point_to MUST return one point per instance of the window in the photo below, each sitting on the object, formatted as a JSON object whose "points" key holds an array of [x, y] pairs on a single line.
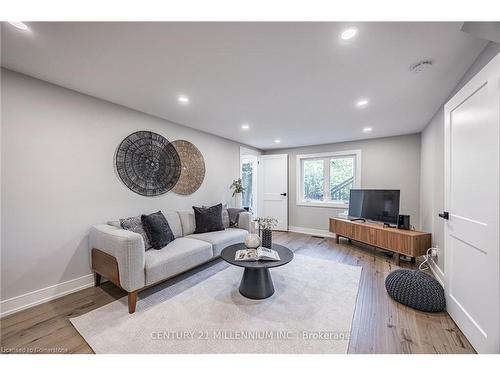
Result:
{"points": [[326, 179], [247, 182], [248, 171]]}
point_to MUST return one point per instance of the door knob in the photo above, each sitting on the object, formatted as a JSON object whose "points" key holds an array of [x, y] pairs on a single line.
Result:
{"points": [[283, 194], [445, 215]]}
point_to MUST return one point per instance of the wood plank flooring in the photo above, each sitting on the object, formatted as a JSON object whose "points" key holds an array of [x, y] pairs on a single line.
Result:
{"points": [[380, 325]]}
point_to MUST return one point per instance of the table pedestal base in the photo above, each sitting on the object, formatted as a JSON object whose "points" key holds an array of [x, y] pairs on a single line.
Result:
{"points": [[256, 283]]}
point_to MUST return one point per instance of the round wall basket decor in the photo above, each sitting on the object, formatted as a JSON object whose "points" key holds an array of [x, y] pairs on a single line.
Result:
{"points": [[147, 163], [192, 168]]}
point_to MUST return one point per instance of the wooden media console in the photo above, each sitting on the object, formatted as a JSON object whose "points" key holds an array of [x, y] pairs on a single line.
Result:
{"points": [[410, 243]]}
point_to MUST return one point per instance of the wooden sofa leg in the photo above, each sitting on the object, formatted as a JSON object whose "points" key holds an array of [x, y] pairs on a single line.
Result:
{"points": [[97, 279], [132, 300]]}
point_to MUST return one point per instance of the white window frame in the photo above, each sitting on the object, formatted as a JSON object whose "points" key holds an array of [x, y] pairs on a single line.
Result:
{"points": [[326, 156]]}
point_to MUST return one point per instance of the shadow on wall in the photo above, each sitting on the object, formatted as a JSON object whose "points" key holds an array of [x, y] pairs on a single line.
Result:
{"points": [[80, 259]]}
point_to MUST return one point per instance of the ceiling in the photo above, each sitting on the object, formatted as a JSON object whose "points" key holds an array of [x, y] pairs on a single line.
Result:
{"points": [[297, 82]]}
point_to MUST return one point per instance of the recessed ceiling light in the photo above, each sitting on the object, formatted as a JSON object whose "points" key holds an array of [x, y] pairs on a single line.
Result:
{"points": [[367, 129], [349, 33], [277, 141], [362, 103], [245, 126], [19, 25], [183, 99]]}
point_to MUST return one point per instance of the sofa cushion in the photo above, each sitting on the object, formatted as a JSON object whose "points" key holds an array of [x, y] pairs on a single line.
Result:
{"points": [[222, 238], [157, 229], [178, 256], [174, 222], [116, 223], [134, 224], [187, 221]]}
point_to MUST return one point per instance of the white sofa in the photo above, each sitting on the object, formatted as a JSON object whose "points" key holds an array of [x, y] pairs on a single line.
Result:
{"points": [[119, 254]]}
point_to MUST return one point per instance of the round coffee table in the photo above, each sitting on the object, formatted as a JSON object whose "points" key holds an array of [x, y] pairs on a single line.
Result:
{"points": [[256, 282]]}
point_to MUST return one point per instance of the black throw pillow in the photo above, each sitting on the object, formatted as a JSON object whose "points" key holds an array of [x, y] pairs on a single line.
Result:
{"points": [[157, 229], [208, 219]]}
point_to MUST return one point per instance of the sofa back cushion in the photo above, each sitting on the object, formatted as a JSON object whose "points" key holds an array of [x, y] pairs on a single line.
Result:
{"points": [[187, 221], [174, 222]]}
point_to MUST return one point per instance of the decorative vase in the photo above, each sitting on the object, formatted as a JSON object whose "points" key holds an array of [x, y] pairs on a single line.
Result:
{"points": [[267, 238], [252, 241], [238, 200]]}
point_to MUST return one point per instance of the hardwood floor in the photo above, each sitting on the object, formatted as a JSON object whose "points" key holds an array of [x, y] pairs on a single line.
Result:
{"points": [[380, 324]]}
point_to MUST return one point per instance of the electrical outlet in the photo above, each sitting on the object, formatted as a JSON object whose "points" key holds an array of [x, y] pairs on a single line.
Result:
{"points": [[435, 252]]}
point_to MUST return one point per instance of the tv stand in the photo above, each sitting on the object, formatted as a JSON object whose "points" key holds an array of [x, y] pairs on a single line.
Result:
{"points": [[410, 243], [358, 219]]}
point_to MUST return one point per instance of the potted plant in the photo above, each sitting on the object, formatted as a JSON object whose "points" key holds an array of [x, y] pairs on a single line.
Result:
{"points": [[238, 189], [266, 225]]}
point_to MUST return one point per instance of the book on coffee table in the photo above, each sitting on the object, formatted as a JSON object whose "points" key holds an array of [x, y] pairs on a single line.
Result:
{"points": [[261, 253]]}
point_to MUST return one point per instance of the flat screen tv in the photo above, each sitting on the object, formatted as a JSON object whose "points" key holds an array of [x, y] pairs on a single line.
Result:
{"points": [[376, 205]]}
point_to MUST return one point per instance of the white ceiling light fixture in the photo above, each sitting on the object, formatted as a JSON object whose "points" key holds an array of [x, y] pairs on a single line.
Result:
{"points": [[367, 129], [245, 126], [361, 103], [277, 141], [19, 25], [183, 99], [349, 33]]}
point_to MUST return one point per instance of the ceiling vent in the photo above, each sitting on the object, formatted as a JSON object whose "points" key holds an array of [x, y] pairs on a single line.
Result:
{"points": [[421, 66]]}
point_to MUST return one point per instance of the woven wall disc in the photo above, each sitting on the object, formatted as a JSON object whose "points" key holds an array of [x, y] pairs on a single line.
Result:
{"points": [[147, 163], [192, 170]]}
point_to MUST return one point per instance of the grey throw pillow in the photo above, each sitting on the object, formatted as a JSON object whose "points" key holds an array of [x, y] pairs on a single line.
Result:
{"points": [[234, 215], [225, 216], [134, 224]]}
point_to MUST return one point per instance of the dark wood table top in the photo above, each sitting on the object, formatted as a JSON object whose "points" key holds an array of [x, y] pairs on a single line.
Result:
{"points": [[228, 254]]}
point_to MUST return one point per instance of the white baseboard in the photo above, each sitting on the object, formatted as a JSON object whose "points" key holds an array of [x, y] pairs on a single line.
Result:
{"points": [[311, 231], [36, 297], [436, 271]]}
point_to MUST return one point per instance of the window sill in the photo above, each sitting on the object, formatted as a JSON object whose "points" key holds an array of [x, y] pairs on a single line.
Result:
{"points": [[324, 204]]}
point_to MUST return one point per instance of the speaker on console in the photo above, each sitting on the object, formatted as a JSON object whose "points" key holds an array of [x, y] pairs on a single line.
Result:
{"points": [[404, 222]]}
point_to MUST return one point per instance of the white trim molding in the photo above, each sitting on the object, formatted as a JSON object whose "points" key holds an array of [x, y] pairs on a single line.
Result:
{"points": [[311, 231], [325, 156], [37, 297], [436, 271]]}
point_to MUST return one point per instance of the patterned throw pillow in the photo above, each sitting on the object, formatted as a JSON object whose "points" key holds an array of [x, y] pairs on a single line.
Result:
{"points": [[224, 214], [234, 216], [158, 230], [208, 219], [134, 224]]}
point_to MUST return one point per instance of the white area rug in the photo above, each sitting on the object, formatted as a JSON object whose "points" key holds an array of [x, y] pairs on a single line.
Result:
{"points": [[311, 311]]}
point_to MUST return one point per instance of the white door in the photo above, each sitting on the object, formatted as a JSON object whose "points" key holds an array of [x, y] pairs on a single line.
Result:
{"points": [[273, 188], [472, 279]]}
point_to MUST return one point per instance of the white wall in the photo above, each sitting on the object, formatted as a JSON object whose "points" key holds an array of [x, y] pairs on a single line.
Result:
{"points": [[387, 163], [58, 178], [432, 163]]}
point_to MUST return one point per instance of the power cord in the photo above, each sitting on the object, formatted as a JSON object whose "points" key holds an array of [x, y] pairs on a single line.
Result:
{"points": [[425, 264]]}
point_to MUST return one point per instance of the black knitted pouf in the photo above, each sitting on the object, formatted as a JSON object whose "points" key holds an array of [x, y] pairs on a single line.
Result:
{"points": [[416, 289]]}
